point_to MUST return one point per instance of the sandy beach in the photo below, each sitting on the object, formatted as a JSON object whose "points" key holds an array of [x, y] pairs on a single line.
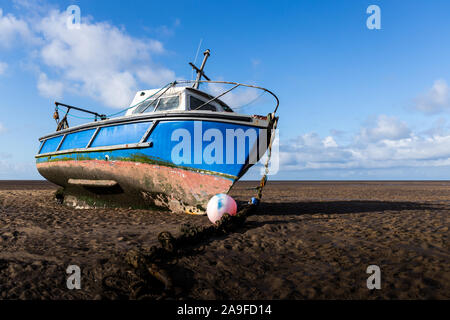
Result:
{"points": [[308, 240]]}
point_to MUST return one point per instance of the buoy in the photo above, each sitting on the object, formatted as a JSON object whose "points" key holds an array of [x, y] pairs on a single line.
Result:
{"points": [[219, 205]]}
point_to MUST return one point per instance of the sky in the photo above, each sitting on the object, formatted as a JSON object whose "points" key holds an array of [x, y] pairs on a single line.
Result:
{"points": [[355, 103]]}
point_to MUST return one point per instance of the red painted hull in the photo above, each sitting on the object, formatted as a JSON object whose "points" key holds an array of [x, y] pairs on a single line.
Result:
{"points": [[176, 188]]}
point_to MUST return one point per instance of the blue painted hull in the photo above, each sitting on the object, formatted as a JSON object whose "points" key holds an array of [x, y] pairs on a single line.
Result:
{"points": [[158, 150]]}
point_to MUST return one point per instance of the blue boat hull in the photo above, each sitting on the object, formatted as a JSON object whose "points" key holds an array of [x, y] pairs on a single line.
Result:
{"points": [[179, 163]]}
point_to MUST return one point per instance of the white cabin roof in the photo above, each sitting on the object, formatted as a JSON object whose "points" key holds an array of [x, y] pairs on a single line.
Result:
{"points": [[145, 94], [172, 92]]}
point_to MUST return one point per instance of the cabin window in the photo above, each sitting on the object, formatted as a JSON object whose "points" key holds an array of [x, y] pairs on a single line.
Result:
{"points": [[161, 104], [196, 103], [169, 103], [146, 106]]}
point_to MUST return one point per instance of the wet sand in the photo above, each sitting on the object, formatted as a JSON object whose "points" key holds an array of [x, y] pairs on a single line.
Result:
{"points": [[308, 240]]}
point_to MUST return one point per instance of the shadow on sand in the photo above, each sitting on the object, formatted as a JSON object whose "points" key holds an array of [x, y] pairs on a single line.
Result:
{"points": [[339, 207], [326, 208], [185, 277]]}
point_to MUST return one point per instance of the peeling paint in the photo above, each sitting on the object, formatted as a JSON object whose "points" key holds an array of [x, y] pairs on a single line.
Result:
{"points": [[141, 184]]}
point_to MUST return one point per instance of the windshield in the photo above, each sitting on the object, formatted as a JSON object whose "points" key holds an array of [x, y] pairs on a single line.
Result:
{"points": [[143, 106], [161, 104], [197, 104], [169, 103]]}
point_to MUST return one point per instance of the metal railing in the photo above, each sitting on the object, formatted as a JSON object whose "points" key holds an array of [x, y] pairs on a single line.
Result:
{"points": [[236, 85], [64, 123]]}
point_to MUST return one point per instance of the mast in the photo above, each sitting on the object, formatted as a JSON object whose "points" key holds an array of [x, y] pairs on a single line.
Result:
{"points": [[200, 72]]}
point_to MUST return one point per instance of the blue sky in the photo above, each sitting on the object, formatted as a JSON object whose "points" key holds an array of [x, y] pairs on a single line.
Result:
{"points": [[355, 103]]}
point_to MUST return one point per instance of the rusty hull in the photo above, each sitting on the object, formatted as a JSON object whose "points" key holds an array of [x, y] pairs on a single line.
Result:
{"points": [[141, 185]]}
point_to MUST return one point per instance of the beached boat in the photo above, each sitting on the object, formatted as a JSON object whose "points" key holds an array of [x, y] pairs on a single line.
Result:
{"points": [[176, 146]]}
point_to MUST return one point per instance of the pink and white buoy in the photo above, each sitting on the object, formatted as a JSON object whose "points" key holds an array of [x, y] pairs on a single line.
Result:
{"points": [[219, 205]]}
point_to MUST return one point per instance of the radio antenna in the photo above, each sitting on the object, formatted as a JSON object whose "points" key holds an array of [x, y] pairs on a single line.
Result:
{"points": [[196, 55]]}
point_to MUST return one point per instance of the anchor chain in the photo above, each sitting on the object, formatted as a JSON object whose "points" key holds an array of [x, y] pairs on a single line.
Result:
{"points": [[274, 122], [151, 268]]}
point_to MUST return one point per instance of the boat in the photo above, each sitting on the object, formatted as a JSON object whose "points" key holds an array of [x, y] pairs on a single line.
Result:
{"points": [[175, 147]]}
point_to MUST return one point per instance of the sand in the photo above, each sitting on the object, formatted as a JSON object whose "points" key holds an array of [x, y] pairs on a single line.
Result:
{"points": [[308, 240]]}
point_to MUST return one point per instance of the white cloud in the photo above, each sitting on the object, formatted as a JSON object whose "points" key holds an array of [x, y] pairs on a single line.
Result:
{"points": [[13, 29], [329, 142], [100, 59], [97, 60], [384, 127], [164, 30], [436, 100], [383, 147], [49, 88], [34, 5], [155, 76], [3, 66], [2, 128]]}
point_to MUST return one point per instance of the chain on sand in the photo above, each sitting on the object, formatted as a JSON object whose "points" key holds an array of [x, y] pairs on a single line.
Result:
{"points": [[150, 277]]}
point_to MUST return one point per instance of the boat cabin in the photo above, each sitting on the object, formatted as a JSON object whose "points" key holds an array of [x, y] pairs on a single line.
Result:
{"points": [[175, 99]]}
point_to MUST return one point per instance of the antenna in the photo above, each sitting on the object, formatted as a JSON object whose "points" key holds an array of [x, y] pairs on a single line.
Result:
{"points": [[196, 55], [200, 72]]}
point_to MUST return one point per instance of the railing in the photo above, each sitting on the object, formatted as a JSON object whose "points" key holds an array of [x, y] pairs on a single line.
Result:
{"points": [[64, 124], [236, 85]]}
